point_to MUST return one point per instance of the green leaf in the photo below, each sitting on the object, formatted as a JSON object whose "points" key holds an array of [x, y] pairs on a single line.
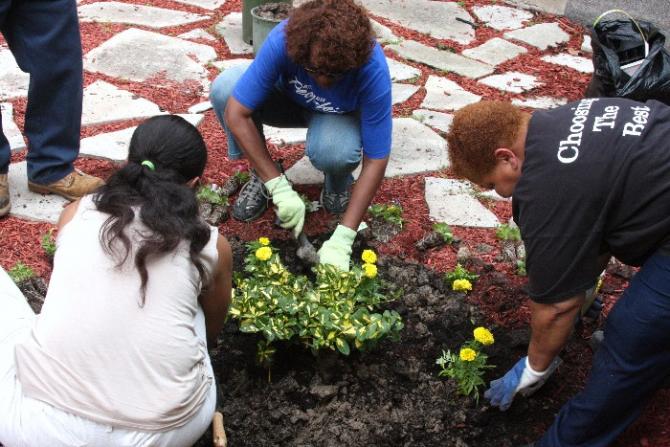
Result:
{"points": [[342, 346]]}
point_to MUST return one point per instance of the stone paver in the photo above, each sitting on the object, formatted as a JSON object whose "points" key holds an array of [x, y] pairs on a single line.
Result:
{"points": [[568, 60], [231, 31], [542, 36], [502, 17], [402, 92], [384, 33], [402, 72], [540, 102], [162, 57], [114, 145], [435, 18], [13, 81], [444, 60], [197, 33], [495, 51], [200, 107], [283, 136], [206, 4], [512, 81], [449, 202], [416, 148], [586, 44], [445, 94], [10, 129], [438, 120], [28, 205], [105, 103], [116, 12]]}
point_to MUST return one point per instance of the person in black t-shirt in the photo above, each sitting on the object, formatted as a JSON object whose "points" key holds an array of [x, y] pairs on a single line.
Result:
{"points": [[589, 180]]}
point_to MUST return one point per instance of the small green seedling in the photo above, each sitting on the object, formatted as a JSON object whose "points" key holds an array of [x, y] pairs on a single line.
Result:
{"points": [[508, 232], [311, 206], [242, 177], [208, 194], [459, 272], [20, 272], [390, 213], [444, 230], [48, 243], [521, 268]]}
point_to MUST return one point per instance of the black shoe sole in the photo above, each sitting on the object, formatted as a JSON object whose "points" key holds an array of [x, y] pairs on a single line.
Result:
{"points": [[256, 216]]}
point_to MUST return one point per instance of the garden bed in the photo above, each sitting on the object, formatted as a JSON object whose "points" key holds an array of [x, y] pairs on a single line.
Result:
{"points": [[391, 395]]}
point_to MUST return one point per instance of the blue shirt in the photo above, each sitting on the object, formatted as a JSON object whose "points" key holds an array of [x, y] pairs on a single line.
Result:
{"points": [[366, 90]]}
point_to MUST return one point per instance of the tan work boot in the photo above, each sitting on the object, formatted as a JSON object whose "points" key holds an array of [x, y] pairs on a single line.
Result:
{"points": [[73, 186], [4, 195]]}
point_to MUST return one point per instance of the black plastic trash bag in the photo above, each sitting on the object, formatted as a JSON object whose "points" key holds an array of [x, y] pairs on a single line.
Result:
{"points": [[624, 66]]}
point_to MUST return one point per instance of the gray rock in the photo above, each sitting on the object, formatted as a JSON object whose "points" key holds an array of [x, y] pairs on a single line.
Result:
{"points": [[542, 36], [152, 17], [402, 72], [197, 33], [105, 103], [512, 81], [10, 129], [402, 92], [447, 205], [495, 51], [162, 56], [28, 205], [206, 4], [502, 17], [540, 102], [383, 33], [13, 81], [581, 64], [443, 60], [231, 31], [438, 120], [445, 94]]}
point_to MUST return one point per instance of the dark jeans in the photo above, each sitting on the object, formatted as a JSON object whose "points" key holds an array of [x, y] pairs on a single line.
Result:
{"points": [[632, 363], [43, 36]]}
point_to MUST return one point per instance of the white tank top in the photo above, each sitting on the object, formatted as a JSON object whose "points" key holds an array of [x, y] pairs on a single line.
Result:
{"points": [[96, 353]]}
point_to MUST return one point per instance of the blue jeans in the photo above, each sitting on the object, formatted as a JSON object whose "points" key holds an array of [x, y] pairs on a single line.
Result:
{"points": [[43, 36], [632, 362], [333, 141]]}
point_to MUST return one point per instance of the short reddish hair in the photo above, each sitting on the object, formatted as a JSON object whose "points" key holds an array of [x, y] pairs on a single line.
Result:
{"points": [[339, 31], [476, 132]]}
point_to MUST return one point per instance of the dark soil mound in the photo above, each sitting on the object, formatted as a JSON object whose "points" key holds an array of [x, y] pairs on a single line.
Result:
{"points": [[392, 395]]}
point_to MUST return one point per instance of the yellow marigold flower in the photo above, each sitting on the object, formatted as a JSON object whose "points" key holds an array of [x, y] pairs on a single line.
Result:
{"points": [[369, 256], [264, 253], [483, 336], [369, 270], [461, 285], [264, 241], [467, 354]]}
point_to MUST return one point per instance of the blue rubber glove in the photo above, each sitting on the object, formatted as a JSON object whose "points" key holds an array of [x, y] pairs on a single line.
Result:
{"points": [[337, 250], [521, 378], [290, 207]]}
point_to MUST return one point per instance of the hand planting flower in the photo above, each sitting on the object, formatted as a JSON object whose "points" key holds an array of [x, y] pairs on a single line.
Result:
{"points": [[461, 285], [483, 336], [467, 354], [264, 241], [369, 256], [370, 270], [263, 253]]}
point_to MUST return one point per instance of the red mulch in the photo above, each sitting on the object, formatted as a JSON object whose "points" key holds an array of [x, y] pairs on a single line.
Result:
{"points": [[21, 239]]}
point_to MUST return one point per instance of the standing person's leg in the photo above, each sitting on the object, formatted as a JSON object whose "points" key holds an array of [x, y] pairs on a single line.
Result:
{"points": [[334, 147], [4, 143], [629, 366], [44, 37]]}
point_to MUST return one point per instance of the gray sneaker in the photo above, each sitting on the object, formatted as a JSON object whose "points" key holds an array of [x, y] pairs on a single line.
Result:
{"points": [[335, 202], [4, 195], [252, 201]]}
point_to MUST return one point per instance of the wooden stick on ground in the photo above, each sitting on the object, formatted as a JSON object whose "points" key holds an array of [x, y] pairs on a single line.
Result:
{"points": [[218, 432]]}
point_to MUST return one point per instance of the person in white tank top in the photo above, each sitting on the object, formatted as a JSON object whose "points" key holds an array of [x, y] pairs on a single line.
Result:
{"points": [[140, 286]]}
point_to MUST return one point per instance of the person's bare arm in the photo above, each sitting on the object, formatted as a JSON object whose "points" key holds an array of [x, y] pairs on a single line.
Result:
{"points": [[67, 214], [216, 299], [365, 189], [240, 122], [551, 325]]}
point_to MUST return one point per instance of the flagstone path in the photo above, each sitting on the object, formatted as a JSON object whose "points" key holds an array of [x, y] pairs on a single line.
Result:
{"points": [[446, 76]]}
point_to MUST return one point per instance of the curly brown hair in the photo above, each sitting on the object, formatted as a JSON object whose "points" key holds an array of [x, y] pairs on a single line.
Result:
{"points": [[333, 35], [476, 132]]}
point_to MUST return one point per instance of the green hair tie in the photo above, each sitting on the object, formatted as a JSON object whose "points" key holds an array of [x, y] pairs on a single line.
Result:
{"points": [[149, 165]]}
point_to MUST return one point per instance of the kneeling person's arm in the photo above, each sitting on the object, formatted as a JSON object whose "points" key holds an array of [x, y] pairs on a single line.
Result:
{"points": [[216, 298]]}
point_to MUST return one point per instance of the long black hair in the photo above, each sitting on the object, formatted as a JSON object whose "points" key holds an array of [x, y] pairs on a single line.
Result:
{"points": [[173, 153]]}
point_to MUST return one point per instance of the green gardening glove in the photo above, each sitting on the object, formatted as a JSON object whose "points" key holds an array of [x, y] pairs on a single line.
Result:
{"points": [[290, 207], [337, 250]]}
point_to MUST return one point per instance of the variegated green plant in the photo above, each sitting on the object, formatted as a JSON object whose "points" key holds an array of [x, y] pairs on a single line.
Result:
{"points": [[336, 312]]}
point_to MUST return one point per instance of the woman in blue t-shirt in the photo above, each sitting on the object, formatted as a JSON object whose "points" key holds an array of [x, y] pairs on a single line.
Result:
{"points": [[323, 70]]}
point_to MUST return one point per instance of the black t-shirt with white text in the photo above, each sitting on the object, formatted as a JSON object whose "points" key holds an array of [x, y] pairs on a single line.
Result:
{"points": [[595, 180]]}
